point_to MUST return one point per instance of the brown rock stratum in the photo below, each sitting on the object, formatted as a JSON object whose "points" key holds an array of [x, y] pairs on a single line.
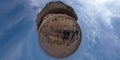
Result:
{"points": [[58, 30]]}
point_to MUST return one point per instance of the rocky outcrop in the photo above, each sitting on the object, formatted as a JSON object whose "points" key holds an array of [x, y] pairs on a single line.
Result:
{"points": [[55, 8], [58, 30]]}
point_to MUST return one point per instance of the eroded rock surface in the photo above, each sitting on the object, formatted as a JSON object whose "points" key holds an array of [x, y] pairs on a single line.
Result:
{"points": [[59, 32]]}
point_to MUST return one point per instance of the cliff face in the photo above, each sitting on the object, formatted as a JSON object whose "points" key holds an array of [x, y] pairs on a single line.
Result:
{"points": [[58, 30], [55, 8]]}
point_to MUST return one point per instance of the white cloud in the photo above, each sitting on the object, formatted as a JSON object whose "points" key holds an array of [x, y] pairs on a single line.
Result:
{"points": [[37, 3]]}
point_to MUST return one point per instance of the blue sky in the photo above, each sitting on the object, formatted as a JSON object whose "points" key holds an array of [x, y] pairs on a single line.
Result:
{"points": [[99, 21]]}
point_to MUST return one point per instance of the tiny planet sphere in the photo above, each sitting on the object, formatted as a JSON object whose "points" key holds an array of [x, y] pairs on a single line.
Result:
{"points": [[58, 31]]}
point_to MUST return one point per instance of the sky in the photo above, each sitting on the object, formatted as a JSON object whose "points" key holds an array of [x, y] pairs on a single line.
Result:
{"points": [[99, 21]]}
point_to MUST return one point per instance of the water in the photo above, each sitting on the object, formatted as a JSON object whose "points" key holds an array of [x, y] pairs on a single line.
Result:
{"points": [[99, 21]]}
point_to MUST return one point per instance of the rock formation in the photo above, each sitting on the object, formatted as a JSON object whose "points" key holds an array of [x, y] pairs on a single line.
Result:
{"points": [[58, 30]]}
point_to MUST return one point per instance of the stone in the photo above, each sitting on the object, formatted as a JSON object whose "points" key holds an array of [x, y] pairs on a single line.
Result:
{"points": [[58, 31]]}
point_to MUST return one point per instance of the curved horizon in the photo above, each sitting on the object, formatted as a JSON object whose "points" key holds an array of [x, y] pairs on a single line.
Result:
{"points": [[99, 21]]}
